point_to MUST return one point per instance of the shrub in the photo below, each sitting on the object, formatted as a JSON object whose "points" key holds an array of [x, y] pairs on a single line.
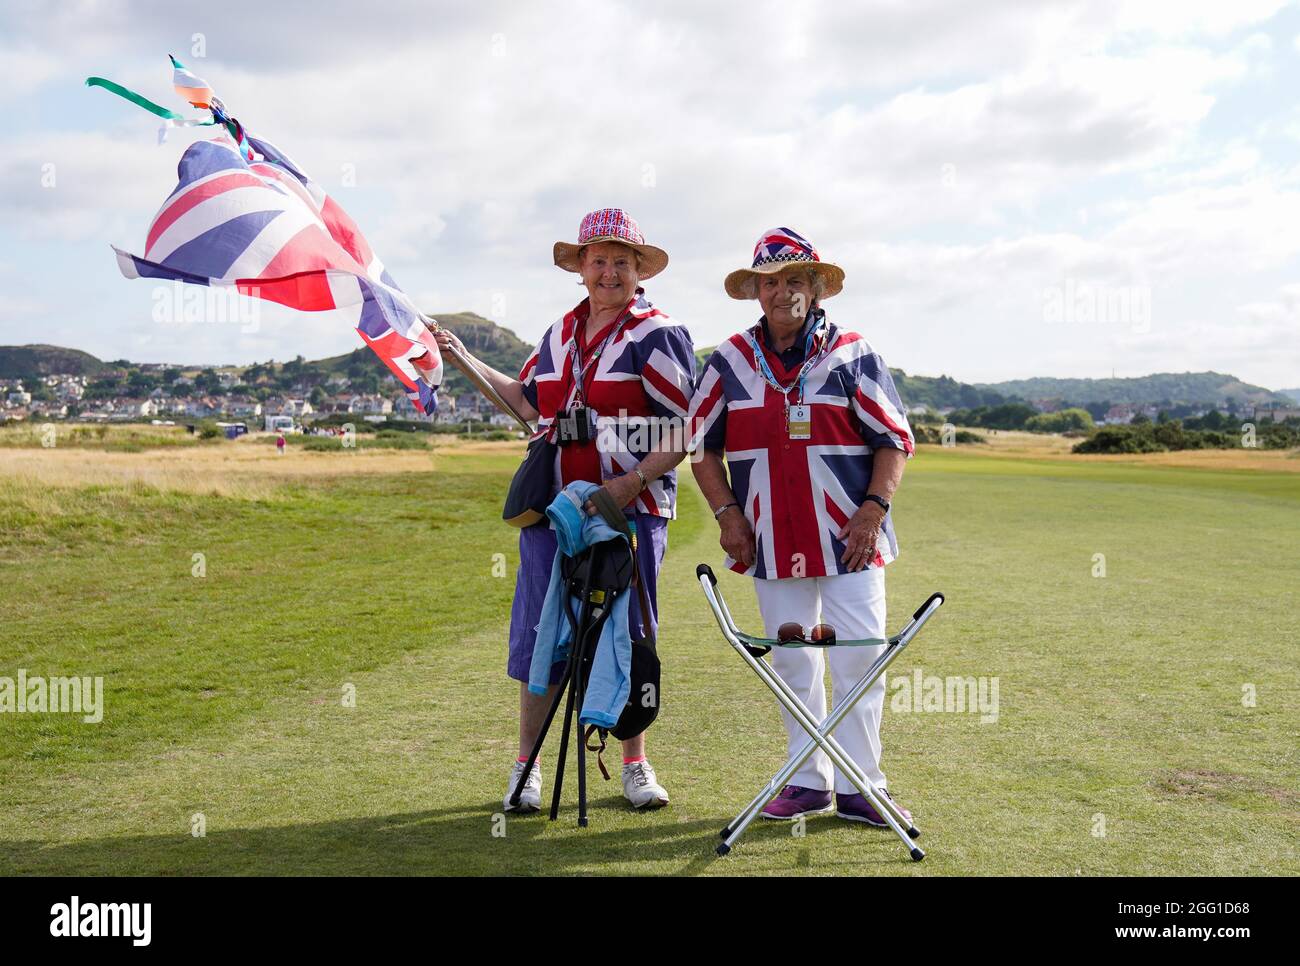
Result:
{"points": [[1120, 439], [1060, 422]]}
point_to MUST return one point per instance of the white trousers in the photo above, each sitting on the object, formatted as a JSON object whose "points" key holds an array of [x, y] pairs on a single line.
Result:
{"points": [[854, 604]]}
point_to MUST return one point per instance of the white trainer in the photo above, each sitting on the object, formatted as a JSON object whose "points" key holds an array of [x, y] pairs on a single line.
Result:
{"points": [[530, 800], [641, 787]]}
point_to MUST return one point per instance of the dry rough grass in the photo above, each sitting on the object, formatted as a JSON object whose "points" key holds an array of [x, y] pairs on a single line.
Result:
{"points": [[239, 469], [1014, 444]]}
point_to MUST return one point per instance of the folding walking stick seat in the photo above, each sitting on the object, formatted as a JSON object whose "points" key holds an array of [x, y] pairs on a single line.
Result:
{"points": [[752, 650]]}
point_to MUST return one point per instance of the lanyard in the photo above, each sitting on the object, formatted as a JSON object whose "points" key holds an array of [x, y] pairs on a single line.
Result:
{"points": [[765, 370], [580, 373]]}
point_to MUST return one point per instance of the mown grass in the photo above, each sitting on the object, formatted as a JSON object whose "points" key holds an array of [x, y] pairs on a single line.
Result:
{"points": [[1121, 697]]}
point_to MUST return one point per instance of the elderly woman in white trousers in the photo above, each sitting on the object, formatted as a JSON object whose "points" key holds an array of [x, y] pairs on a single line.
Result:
{"points": [[814, 438]]}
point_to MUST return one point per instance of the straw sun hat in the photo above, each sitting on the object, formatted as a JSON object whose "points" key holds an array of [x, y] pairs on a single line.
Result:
{"points": [[612, 225], [777, 250]]}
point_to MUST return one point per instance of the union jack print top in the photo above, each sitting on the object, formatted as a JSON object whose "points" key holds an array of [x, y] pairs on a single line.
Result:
{"points": [[640, 389], [797, 493]]}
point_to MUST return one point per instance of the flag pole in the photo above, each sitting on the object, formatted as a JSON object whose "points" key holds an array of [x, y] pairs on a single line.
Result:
{"points": [[471, 371]]}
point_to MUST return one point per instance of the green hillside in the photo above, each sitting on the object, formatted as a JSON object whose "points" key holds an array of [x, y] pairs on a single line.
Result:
{"points": [[28, 361], [940, 392], [497, 346], [1194, 388]]}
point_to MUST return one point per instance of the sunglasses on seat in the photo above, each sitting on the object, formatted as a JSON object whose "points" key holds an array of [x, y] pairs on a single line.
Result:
{"points": [[818, 634]]}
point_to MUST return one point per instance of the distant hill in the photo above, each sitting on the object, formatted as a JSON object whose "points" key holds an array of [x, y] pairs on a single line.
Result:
{"points": [[506, 352], [497, 346], [941, 392], [1191, 388], [935, 392], [27, 361]]}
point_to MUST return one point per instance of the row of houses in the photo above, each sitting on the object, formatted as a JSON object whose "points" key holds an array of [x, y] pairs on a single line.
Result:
{"points": [[1124, 414], [161, 404], [66, 388]]}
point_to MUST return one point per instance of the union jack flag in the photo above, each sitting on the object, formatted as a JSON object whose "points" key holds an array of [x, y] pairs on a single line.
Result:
{"points": [[640, 389], [244, 215], [798, 493]]}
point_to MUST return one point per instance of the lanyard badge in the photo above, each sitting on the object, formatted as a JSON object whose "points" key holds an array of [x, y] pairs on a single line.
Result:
{"points": [[798, 418], [798, 421]]}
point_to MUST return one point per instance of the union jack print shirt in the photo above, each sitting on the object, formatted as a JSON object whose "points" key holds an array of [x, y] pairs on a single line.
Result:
{"points": [[797, 493], [640, 388]]}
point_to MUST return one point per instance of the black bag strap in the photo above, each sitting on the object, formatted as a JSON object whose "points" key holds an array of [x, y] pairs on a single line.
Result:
{"points": [[603, 735], [612, 515]]}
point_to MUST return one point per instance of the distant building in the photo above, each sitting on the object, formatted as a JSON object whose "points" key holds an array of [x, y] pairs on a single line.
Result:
{"points": [[281, 405], [1124, 413], [1277, 414], [403, 408], [372, 405], [124, 407], [468, 405], [70, 388], [340, 404], [243, 407], [202, 407]]}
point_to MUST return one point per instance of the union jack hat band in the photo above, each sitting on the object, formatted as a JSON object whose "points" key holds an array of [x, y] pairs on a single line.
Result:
{"points": [[611, 225], [777, 250]]}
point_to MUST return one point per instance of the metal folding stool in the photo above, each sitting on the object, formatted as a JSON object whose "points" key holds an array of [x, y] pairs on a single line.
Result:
{"points": [[752, 649]]}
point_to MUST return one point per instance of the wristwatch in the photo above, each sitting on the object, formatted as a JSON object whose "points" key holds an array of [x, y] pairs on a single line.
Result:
{"points": [[878, 500]]}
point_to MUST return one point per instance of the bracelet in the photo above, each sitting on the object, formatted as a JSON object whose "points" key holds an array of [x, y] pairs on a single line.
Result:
{"points": [[723, 509], [641, 476], [880, 501]]}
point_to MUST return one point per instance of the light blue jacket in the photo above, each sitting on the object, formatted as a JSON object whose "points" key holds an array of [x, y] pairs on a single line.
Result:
{"points": [[611, 668]]}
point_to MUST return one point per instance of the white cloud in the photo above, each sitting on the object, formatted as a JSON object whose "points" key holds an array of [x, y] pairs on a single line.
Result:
{"points": [[929, 147]]}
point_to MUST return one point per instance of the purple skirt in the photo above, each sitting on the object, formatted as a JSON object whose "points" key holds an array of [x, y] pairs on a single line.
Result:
{"points": [[537, 550]]}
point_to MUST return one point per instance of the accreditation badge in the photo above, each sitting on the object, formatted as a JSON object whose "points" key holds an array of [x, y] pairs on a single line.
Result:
{"points": [[801, 422]]}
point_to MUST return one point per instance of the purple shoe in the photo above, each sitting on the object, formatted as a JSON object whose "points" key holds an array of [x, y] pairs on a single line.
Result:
{"points": [[795, 801], [856, 808]]}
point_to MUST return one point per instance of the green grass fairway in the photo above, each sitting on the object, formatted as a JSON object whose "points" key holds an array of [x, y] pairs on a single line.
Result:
{"points": [[1120, 697]]}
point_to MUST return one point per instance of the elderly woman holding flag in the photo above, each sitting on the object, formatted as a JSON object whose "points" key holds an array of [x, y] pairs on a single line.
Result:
{"points": [[612, 362], [815, 438]]}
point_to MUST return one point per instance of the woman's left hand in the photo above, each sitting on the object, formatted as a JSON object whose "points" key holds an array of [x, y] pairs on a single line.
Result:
{"points": [[860, 535], [624, 489]]}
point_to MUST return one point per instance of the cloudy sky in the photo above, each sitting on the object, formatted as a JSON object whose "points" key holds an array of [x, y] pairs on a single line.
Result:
{"points": [[1012, 188]]}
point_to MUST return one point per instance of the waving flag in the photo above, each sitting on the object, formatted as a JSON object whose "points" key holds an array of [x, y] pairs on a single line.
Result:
{"points": [[245, 215]]}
